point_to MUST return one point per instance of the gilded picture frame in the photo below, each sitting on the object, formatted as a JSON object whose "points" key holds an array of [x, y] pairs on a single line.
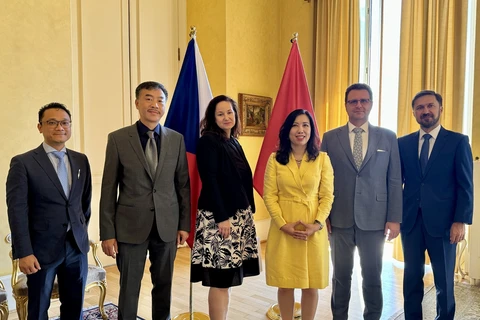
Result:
{"points": [[255, 113]]}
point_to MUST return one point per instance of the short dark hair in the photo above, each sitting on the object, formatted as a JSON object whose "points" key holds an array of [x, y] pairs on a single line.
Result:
{"points": [[208, 123], [150, 85], [359, 86], [52, 105], [285, 147], [428, 93]]}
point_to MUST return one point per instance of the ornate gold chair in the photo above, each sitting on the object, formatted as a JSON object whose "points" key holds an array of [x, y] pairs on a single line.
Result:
{"points": [[97, 277], [3, 302]]}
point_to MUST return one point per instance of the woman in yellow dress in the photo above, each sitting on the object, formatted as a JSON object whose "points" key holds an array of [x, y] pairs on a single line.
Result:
{"points": [[298, 194]]}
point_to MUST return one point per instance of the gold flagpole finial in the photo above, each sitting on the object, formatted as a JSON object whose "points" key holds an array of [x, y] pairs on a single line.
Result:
{"points": [[294, 37], [193, 32]]}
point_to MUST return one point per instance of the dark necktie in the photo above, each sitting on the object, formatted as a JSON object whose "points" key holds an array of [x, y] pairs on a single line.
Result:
{"points": [[424, 152], [62, 171], [151, 153]]}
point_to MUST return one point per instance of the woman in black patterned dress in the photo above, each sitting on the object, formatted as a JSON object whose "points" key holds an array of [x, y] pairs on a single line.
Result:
{"points": [[225, 248]]}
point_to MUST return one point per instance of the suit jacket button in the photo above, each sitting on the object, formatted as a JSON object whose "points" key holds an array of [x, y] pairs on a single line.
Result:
{"points": [[154, 190], [152, 209]]}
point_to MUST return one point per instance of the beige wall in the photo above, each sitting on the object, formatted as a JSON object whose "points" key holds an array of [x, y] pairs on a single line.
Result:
{"points": [[35, 68], [71, 52]]}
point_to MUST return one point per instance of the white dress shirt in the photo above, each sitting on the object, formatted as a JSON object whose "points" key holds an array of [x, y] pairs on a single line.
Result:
{"points": [[351, 137]]}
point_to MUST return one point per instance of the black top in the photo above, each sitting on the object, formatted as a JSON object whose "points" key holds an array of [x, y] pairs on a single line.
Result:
{"points": [[142, 133], [227, 184]]}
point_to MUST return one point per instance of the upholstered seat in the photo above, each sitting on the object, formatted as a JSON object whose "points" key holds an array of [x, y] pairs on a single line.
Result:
{"points": [[97, 277], [96, 274], [3, 302]]}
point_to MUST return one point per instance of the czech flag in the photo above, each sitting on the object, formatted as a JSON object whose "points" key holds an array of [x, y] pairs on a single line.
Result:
{"points": [[190, 99]]}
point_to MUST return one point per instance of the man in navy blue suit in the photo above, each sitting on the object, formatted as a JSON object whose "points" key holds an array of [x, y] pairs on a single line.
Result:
{"points": [[437, 171], [48, 196]]}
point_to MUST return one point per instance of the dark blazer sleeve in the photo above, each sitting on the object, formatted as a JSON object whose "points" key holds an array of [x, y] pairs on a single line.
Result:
{"points": [[87, 193], [464, 177], [247, 188], [208, 154], [394, 183], [108, 198], [182, 187], [17, 202]]}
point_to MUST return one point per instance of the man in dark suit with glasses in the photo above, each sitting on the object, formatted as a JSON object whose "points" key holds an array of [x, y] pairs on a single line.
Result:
{"points": [[48, 197]]}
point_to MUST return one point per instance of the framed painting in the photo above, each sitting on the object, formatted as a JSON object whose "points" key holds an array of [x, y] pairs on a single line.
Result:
{"points": [[254, 114]]}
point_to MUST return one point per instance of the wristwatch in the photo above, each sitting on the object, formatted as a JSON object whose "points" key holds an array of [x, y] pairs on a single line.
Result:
{"points": [[318, 222]]}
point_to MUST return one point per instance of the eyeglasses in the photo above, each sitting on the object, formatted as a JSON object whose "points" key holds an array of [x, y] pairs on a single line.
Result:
{"points": [[355, 102], [55, 123]]}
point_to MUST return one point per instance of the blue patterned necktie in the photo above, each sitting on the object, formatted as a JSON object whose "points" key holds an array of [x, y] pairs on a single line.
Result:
{"points": [[424, 152], [357, 147], [62, 171]]}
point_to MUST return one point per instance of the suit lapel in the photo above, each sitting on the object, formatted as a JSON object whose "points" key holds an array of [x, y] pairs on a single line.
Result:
{"points": [[294, 169], [373, 139], [137, 148], [74, 169], [342, 134], [42, 159], [439, 144], [305, 168], [412, 140], [163, 150]]}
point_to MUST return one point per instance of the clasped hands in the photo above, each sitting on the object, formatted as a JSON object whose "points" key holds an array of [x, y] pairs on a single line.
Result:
{"points": [[300, 230]]}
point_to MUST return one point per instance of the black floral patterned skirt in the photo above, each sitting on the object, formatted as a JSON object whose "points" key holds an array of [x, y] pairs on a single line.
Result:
{"points": [[223, 263]]}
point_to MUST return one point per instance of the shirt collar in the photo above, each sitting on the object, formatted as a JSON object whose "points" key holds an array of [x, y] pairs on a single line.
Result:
{"points": [[433, 133], [363, 126], [143, 129], [50, 149]]}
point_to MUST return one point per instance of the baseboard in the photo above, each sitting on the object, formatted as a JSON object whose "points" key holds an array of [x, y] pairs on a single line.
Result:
{"points": [[7, 281]]}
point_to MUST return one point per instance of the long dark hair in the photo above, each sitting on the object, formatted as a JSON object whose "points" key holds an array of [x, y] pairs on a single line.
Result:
{"points": [[208, 123], [285, 147]]}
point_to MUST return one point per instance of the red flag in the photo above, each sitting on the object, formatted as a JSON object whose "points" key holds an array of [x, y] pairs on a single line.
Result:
{"points": [[293, 94]]}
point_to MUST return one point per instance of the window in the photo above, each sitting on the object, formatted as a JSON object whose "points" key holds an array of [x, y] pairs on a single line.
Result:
{"points": [[380, 58], [380, 24]]}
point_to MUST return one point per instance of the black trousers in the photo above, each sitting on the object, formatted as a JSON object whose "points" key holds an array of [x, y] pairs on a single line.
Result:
{"points": [[131, 264]]}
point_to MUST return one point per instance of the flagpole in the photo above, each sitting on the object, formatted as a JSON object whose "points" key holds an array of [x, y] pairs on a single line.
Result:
{"points": [[190, 315], [294, 37]]}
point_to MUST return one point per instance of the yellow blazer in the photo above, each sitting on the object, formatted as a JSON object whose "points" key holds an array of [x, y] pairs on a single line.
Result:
{"points": [[293, 193]]}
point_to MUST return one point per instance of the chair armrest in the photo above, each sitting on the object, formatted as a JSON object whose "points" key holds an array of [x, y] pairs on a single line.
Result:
{"points": [[94, 246], [15, 270]]}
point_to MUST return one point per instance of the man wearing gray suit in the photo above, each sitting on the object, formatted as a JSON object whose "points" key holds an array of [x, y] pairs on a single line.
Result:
{"points": [[368, 201], [145, 202]]}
